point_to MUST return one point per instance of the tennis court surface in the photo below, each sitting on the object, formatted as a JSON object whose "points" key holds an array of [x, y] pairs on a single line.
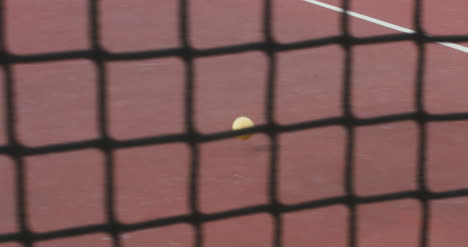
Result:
{"points": [[115, 123]]}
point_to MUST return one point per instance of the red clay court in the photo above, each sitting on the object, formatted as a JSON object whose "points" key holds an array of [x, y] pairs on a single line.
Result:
{"points": [[56, 102]]}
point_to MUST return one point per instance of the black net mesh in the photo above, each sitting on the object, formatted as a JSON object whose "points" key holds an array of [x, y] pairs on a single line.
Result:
{"points": [[270, 47]]}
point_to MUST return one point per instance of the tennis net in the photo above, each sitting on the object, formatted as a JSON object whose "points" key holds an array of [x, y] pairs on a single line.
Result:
{"points": [[107, 145]]}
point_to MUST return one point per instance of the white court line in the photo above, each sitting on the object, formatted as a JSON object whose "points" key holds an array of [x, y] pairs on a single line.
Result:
{"points": [[383, 23]]}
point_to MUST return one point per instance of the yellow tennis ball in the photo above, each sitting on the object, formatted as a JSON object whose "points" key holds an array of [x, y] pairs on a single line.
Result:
{"points": [[242, 123]]}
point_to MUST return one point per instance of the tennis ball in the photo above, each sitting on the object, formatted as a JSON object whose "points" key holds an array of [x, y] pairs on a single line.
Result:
{"points": [[242, 123]]}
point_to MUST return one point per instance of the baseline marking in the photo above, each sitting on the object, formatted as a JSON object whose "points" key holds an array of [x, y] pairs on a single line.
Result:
{"points": [[383, 23]]}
